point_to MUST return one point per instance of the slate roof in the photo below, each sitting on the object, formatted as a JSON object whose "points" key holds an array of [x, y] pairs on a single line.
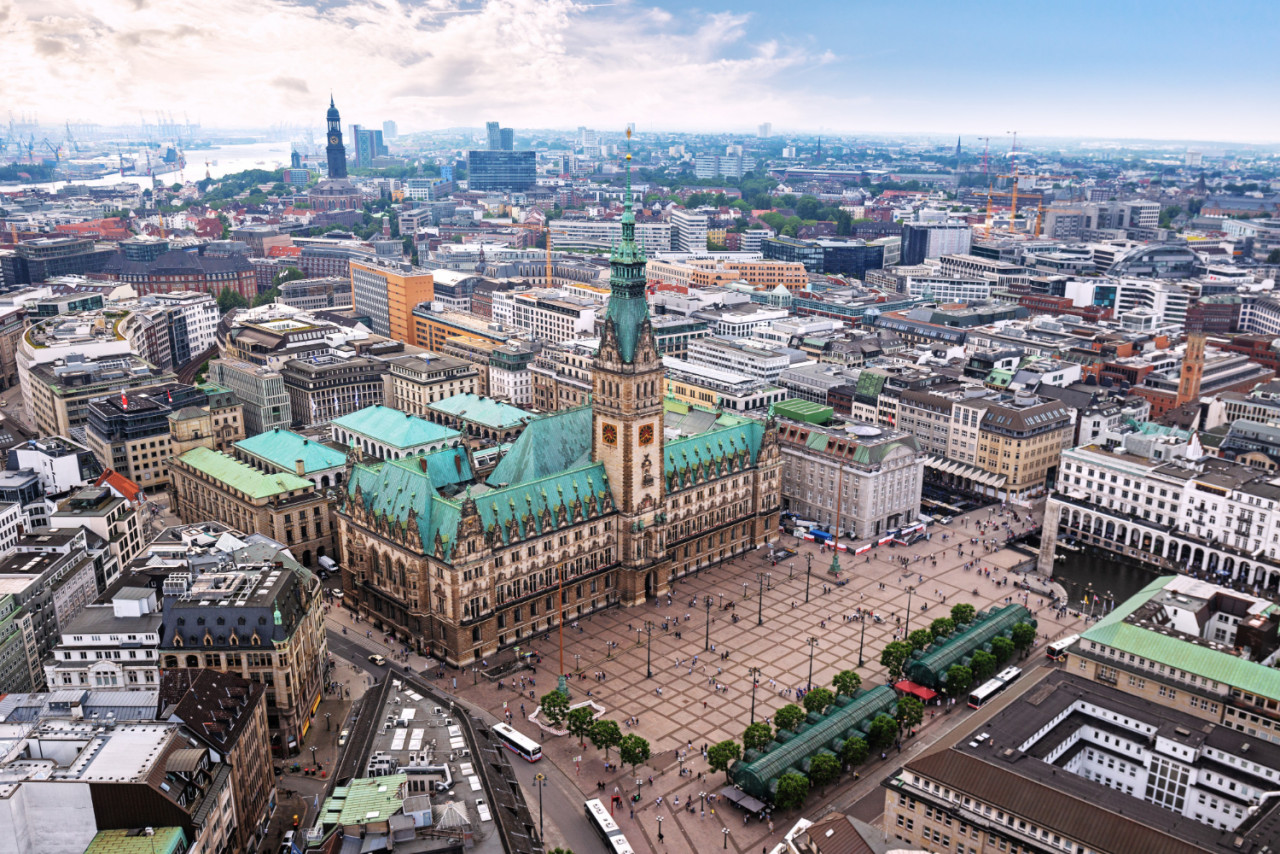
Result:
{"points": [[216, 706], [176, 262], [395, 428], [284, 447], [241, 476]]}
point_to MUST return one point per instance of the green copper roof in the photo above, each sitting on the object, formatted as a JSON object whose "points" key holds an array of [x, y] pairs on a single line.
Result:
{"points": [[803, 410], [167, 840], [627, 316], [284, 447], [395, 428], [373, 799], [870, 384], [550, 444], [241, 476], [482, 410], [1173, 652], [710, 452]]}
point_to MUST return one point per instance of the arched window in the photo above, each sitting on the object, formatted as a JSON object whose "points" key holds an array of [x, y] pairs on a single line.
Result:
{"points": [[193, 661]]}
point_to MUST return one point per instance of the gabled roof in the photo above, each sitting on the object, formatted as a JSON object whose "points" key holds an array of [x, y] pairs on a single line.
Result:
{"points": [[737, 444], [552, 443], [120, 485], [284, 447], [395, 428]]}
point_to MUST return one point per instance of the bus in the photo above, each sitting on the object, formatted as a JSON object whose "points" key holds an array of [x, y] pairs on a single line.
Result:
{"points": [[526, 747], [607, 828], [993, 687], [1057, 650]]}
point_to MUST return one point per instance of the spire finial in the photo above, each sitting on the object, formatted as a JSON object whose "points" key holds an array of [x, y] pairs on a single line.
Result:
{"points": [[330, 97], [626, 199]]}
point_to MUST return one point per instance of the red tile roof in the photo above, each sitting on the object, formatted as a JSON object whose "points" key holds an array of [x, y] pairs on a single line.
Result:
{"points": [[121, 485]]}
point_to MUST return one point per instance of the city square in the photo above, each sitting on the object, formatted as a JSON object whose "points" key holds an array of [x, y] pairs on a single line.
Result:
{"points": [[609, 657]]}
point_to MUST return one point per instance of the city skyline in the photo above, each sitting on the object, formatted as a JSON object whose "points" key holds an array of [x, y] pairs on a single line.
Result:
{"points": [[815, 67]]}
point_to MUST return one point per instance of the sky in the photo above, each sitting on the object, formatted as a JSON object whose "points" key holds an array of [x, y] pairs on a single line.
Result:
{"points": [[1129, 69]]}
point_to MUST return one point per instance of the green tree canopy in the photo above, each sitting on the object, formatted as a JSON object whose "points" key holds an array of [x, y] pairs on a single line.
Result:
{"points": [[633, 750], [882, 732], [1023, 636], [288, 274], [910, 712], [942, 626], [266, 297], [983, 665], [824, 768], [959, 678], [555, 706], [818, 700], [789, 717], [722, 754], [894, 657], [757, 736], [792, 789], [920, 638], [229, 299], [847, 683], [605, 734], [579, 722], [963, 613], [1002, 649], [854, 752]]}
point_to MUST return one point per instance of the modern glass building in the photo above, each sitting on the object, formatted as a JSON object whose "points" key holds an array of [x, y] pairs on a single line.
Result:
{"points": [[501, 170]]}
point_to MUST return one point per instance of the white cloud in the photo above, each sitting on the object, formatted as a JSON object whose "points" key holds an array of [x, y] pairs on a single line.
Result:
{"points": [[440, 63]]}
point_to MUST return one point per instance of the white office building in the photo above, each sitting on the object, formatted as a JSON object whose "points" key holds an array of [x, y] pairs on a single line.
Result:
{"points": [[689, 231]]}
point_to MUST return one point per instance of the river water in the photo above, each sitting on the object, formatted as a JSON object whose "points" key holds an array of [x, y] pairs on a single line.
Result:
{"points": [[1092, 573], [222, 160]]}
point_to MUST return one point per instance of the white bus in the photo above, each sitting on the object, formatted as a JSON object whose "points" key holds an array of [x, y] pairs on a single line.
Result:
{"points": [[1057, 650], [610, 833], [993, 687], [526, 747]]}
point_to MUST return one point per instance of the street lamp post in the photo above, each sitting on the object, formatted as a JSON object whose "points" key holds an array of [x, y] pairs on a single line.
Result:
{"points": [[659, 829], [706, 646], [744, 590], [906, 629], [577, 666], [791, 569], [725, 831], [327, 726], [475, 675], [648, 650], [721, 601], [808, 559], [313, 756], [813, 642], [755, 680], [760, 596], [541, 778], [862, 639]]}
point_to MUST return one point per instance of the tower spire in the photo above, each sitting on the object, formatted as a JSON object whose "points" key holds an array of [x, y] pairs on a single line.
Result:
{"points": [[626, 199]]}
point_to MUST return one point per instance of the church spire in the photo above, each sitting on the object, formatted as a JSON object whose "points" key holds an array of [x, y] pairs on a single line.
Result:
{"points": [[628, 308]]}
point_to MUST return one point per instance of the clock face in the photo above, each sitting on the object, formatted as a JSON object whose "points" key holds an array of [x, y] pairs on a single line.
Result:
{"points": [[609, 433], [335, 139], [646, 434]]}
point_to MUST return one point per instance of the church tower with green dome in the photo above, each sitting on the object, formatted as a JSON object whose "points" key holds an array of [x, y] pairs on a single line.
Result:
{"points": [[627, 391]]}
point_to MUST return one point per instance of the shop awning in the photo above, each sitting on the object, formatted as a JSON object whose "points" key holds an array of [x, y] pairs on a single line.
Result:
{"points": [[742, 799], [906, 686]]}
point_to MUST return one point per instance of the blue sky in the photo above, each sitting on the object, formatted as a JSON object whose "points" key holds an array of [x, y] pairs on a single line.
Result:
{"points": [[1170, 70]]}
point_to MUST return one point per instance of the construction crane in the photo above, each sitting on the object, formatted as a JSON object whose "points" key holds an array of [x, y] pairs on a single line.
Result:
{"points": [[548, 231], [1013, 167]]}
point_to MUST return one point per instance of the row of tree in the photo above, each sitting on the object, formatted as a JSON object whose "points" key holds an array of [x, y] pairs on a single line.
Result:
{"points": [[603, 734]]}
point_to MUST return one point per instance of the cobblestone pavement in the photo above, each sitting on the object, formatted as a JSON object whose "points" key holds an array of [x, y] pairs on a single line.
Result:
{"points": [[680, 705]]}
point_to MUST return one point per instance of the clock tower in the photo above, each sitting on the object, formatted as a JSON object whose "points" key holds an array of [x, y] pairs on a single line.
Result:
{"points": [[334, 150], [627, 392]]}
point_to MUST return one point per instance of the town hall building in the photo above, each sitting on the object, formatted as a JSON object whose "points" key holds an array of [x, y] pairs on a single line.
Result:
{"points": [[602, 505]]}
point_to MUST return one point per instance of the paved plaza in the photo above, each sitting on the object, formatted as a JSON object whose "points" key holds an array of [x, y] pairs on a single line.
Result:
{"points": [[681, 705]]}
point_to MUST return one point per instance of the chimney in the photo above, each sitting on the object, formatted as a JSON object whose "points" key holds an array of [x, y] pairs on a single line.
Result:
{"points": [[297, 465]]}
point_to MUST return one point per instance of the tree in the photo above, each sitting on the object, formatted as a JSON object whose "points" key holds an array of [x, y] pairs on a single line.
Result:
{"points": [[846, 683], [176, 187], [579, 722], [722, 754], [229, 299], [959, 678], [1273, 257], [757, 736], [818, 700], [554, 707], [824, 768], [983, 664], [910, 713], [894, 657], [1002, 649], [1023, 636], [266, 297], [792, 789], [288, 274], [854, 752], [963, 613], [882, 732], [789, 716], [633, 750], [920, 638], [942, 626], [605, 734]]}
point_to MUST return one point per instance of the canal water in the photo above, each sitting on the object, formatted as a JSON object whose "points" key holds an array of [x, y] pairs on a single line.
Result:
{"points": [[1093, 574]]}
